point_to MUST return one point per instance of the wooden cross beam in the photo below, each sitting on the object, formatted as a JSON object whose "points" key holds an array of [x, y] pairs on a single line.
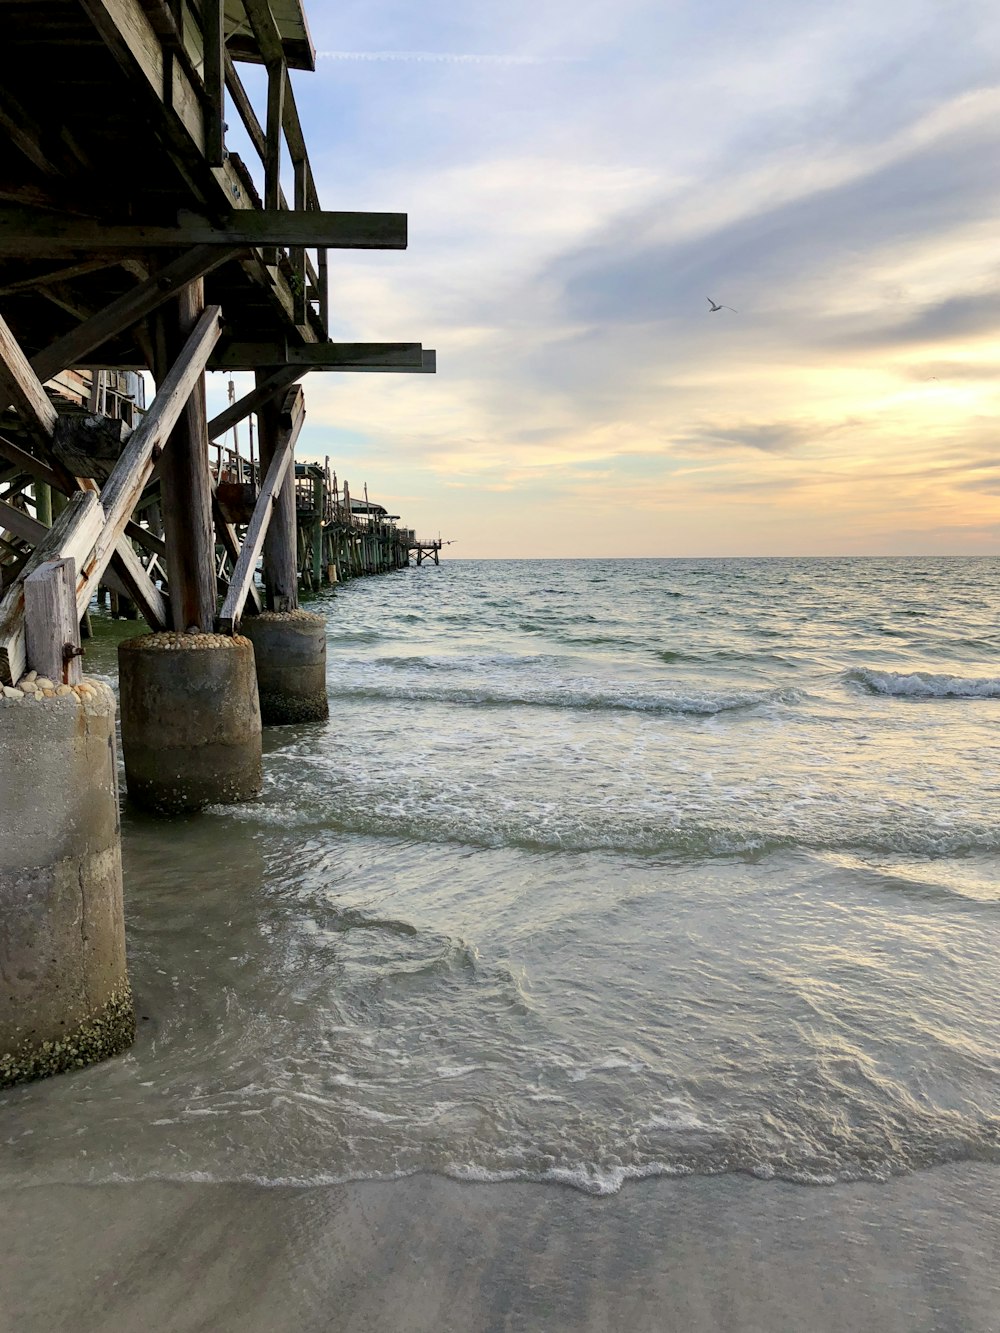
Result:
{"points": [[293, 414], [27, 234], [318, 356]]}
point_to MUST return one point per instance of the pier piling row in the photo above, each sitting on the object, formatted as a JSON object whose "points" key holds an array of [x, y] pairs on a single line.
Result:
{"points": [[133, 240]]}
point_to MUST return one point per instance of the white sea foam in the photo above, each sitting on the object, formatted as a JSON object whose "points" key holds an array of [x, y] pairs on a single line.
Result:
{"points": [[925, 684]]}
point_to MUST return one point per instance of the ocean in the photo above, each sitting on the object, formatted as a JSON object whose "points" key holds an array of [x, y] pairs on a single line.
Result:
{"points": [[600, 870]]}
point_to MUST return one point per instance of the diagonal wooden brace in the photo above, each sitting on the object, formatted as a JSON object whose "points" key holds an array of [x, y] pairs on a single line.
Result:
{"points": [[242, 580], [91, 526]]}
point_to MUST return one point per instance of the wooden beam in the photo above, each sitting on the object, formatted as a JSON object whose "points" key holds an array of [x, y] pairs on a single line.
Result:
{"points": [[129, 308], [231, 355], [64, 273], [135, 466], [139, 586], [275, 113], [214, 75], [21, 524], [71, 536], [146, 539], [268, 390], [20, 385], [26, 234], [245, 108], [265, 31], [299, 54], [228, 539], [281, 566], [186, 483], [51, 624], [239, 585], [34, 467]]}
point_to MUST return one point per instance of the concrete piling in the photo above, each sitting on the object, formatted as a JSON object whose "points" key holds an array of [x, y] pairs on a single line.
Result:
{"points": [[65, 1000], [190, 720], [290, 653]]}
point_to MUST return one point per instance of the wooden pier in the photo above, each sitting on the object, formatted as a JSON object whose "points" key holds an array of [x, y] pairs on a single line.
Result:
{"points": [[135, 240]]}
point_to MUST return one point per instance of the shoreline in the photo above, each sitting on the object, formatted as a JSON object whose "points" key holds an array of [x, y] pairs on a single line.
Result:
{"points": [[431, 1253]]}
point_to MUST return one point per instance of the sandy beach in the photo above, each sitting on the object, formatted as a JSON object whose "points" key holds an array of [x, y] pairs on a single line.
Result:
{"points": [[914, 1255]]}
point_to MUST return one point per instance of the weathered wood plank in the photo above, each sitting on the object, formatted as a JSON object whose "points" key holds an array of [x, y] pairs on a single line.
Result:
{"points": [[231, 355], [72, 536], [19, 385], [51, 622], [140, 587], [29, 235], [214, 75], [21, 524], [281, 460], [129, 308]]}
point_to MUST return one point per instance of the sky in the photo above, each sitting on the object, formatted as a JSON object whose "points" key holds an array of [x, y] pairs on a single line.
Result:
{"points": [[579, 179]]}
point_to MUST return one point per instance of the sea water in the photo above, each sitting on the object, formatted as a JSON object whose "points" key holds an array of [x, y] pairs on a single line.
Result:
{"points": [[600, 870]]}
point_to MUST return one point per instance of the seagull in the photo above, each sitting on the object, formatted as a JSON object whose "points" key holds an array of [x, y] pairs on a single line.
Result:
{"points": [[719, 307]]}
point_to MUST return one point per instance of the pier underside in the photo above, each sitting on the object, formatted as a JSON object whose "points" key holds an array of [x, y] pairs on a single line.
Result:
{"points": [[135, 241]]}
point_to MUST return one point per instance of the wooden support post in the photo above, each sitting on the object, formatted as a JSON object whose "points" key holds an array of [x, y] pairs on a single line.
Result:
{"points": [[43, 503], [214, 79], [185, 480], [281, 583], [324, 293], [272, 162], [279, 478], [298, 254], [51, 622]]}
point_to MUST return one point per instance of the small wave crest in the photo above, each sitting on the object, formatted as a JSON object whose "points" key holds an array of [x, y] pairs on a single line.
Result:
{"points": [[924, 684], [578, 695]]}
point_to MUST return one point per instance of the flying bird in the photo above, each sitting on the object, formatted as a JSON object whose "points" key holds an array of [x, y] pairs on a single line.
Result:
{"points": [[719, 307]]}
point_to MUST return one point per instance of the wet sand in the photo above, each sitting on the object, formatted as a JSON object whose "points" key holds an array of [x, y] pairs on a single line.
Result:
{"points": [[729, 1253]]}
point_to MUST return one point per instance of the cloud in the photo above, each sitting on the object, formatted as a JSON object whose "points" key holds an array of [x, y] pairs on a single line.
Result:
{"points": [[447, 58], [823, 169]]}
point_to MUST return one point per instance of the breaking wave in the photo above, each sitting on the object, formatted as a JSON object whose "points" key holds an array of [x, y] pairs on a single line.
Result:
{"points": [[925, 684]]}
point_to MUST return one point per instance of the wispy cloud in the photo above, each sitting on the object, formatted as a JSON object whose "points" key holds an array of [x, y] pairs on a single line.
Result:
{"points": [[448, 57]]}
